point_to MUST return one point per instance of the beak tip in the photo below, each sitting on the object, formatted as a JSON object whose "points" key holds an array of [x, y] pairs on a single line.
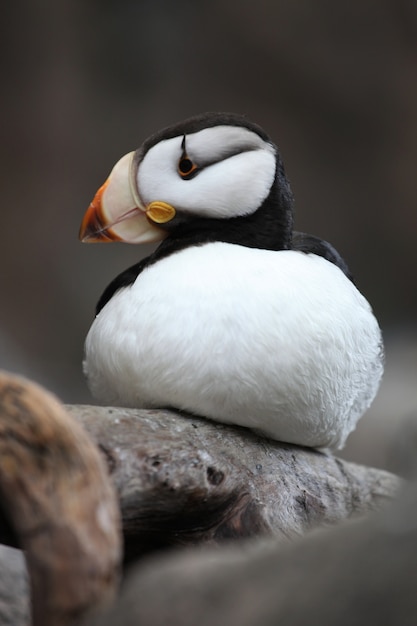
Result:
{"points": [[89, 230], [82, 235], [87, 235], [93, 228]]}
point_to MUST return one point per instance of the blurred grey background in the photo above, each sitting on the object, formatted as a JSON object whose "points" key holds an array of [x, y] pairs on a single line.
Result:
{"points": [[84, 82]]}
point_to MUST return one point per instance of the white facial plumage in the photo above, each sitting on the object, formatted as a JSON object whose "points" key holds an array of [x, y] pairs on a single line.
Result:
{"points": [[237, 169]]}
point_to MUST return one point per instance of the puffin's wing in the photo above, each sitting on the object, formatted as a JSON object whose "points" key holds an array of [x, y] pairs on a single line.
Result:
{"points": [[314, 245]]}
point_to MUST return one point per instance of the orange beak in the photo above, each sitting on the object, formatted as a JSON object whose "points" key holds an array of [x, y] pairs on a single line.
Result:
{"points": [[117, 212], [93, 227]]}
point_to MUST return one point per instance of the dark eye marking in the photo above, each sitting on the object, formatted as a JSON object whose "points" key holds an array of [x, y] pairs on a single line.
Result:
{"points": [[186, 167]]}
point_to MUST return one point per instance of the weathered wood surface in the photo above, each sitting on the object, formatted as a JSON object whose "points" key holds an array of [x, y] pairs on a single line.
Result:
{"points": [[14, 588], [180, 480], [57, 498], [186, 480], [359, 572], [183, 479]]}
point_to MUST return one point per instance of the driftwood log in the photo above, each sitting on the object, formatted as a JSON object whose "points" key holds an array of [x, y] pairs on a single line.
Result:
{"points": [[180, 480], [186, 480], [361, 572]]}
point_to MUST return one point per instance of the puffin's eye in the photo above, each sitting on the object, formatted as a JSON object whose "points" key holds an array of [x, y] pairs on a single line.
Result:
{"points": [[186, 168]]}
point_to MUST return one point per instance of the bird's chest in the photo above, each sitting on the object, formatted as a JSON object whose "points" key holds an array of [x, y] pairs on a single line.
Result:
{"points": [[223, 315], [221, 299], [208, 298]]}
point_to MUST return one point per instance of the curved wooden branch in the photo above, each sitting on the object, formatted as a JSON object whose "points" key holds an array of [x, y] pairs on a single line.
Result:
{"points": [[59, 504]]}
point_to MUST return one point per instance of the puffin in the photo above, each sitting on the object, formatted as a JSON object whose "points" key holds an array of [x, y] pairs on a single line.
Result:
{"points": [[235, 316]]}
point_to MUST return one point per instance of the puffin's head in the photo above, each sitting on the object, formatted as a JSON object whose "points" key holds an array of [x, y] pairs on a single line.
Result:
{"points": [[216, 165]]}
